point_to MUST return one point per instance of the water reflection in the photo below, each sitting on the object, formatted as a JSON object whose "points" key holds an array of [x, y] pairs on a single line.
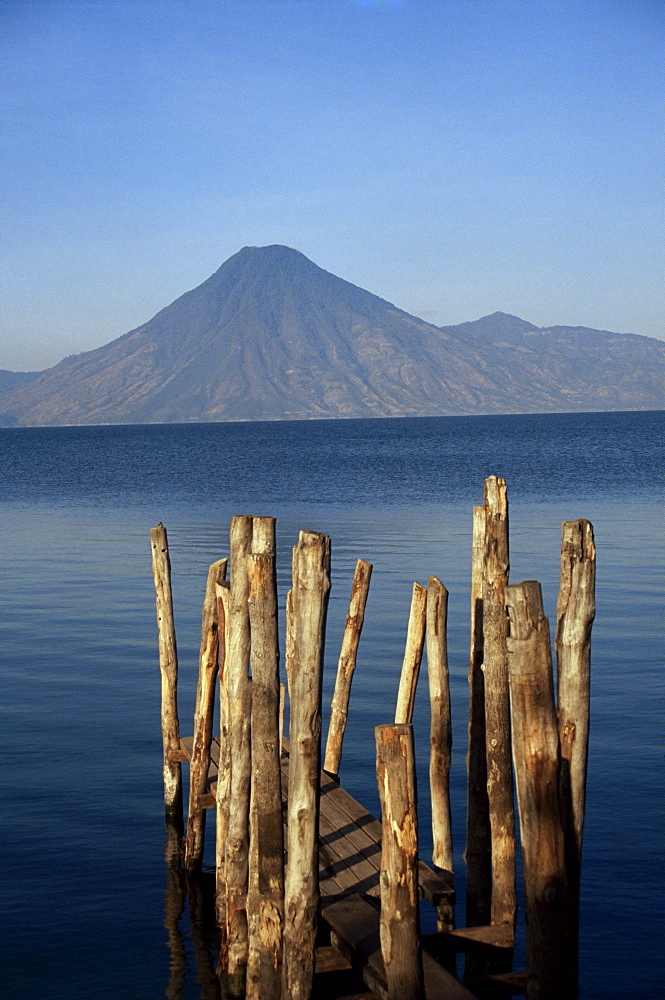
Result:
{"points": [[189, 920]]}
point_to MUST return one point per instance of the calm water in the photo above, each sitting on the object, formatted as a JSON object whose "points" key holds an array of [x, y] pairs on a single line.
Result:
{"points": [[82, 811]]}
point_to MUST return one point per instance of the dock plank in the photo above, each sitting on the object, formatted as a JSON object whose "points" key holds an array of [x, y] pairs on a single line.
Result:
{"points": [[355, 923], [350, 862]]}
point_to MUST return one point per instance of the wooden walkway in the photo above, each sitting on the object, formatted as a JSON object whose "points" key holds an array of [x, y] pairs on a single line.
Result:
{"points": [[349, 869]]}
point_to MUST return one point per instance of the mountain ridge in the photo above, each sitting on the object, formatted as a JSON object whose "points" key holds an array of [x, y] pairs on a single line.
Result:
{"points": [[272, 336]]}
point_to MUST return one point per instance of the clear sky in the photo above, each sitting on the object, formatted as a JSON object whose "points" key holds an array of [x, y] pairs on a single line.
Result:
{"points": [[456, 157]]}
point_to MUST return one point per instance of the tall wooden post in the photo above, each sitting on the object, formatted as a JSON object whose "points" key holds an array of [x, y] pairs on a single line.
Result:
{"points": [[497, 703], [311, 587], [168, 666], [289, 640], [550, 933], [399, 925], [203, 716], [265, 902], [441, 739], [239, 694], [223, 594], [346, 666], [478, 853], [575, 614], [413, 652]]}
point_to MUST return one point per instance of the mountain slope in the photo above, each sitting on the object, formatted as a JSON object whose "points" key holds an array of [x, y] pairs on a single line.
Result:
{"points": [[272, 336]]}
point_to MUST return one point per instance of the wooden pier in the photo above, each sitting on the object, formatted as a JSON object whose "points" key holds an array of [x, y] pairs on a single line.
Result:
{"points": [[308, 882], [349, 872]]}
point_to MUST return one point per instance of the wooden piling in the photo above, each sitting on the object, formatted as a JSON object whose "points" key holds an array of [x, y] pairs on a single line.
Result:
{"points": [[399, 924], [441, 739], [575, 614], [168, 665], [289, 640], [223, 594], [413, 652], [478, 852], [239, 695], [265, 902], [203, 716], [497, 703], [550, 951], [346, 666], [311, 587]]}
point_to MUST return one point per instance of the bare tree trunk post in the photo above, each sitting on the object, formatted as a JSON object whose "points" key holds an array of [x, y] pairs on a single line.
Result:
{"points": [[311, 587], [575, 613], [265, 903], [203, 716], [239, 693], [441, 739], [399, 925], [478, 853], [346, 666], [497, 703], [550, 945], [413, 652], [168, 666], [223, 594], [289, 641], [282, 705]]}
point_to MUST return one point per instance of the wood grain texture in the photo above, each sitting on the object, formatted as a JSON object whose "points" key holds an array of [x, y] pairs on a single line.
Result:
{"points": [[413, 652], [203, 716], [550, 932], [347, 665], [239, 694], [311, 588], [497, 703], [223, 787], [265, 901], [168, 666], [400, 924], [478, 852], [441, 739], [575, 613]]}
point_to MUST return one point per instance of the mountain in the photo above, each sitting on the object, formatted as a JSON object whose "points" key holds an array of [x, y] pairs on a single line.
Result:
{"points": [[12, 380], [271, 336]]}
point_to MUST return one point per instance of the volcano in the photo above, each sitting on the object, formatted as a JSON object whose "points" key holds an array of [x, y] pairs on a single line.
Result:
{"points": [[272, 336]]}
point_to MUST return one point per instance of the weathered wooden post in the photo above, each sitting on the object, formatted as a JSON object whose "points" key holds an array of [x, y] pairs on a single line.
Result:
{"points": [[550, 932], [223, 595], [441, 739], [413, 652], [478, 853], [203, 716], [575, 614], [168, 665], [265, 902], [399, 925], [346, 666], [289, 640], [311, 587], [239, 695], [497, 703]]}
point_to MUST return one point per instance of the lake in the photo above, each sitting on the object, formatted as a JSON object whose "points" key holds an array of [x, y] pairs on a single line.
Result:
{"points": [[82, 806]]}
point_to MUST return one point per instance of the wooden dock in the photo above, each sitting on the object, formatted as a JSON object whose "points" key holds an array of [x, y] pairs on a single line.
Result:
{"points": [[349, 871], [329, 865]]}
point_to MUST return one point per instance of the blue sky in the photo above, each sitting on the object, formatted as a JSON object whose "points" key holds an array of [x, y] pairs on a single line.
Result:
{"points": [[456, 157]]}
